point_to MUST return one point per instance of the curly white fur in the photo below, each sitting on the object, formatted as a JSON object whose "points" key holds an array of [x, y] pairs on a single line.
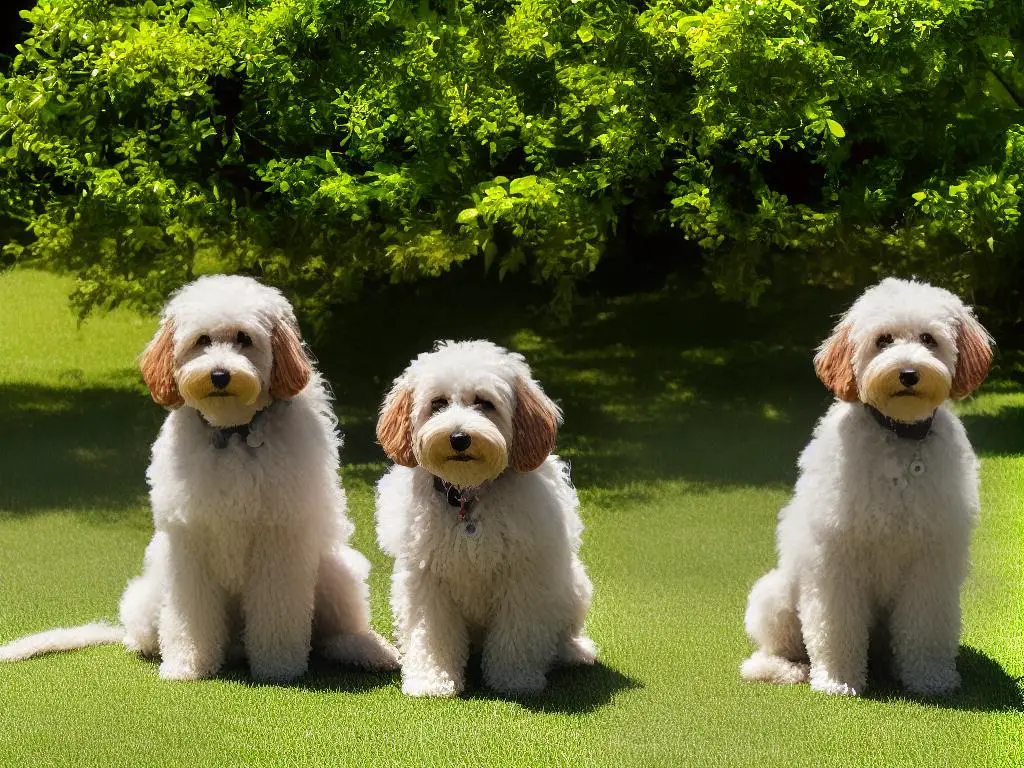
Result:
{"points": [[879, 526], [507, 579], [250, 534]]}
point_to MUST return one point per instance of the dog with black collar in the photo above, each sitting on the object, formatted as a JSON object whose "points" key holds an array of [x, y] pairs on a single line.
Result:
{"points": [[249, 555], [483, 524], [878, 529]]}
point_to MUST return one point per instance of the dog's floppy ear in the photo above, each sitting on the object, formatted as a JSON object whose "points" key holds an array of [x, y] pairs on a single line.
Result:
{"points": [[394, 426], [291, 369], [157, 366], [834, 364], [973, 356], [534, 426]]}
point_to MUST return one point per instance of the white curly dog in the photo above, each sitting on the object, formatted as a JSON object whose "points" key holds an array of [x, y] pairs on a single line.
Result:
{"points": [[250, 534], [878, 529], [483, 524]]}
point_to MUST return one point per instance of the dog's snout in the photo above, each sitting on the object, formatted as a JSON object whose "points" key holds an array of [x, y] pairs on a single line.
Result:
{"points": [[909, 377], [220, 378], [460, 441]]}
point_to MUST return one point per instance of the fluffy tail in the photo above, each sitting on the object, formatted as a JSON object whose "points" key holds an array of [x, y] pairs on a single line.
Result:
{"points": [[63, 639]]}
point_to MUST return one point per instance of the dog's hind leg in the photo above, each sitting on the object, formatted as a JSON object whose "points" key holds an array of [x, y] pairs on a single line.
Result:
{"points": [[141, 601], [140, 612], [578, 648], [341, 620], [772, 622]]}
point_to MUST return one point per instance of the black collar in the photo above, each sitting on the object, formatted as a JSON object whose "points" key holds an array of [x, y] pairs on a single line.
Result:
{"points": [[222, 435], [905, 430], [454, 496]]}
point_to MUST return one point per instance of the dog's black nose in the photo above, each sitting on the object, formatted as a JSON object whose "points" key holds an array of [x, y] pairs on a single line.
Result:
{"points": [[220, 378], [460, 441], [909, 377]]}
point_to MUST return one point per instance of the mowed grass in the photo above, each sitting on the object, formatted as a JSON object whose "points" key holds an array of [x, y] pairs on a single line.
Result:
{"points": [[683, 422]]}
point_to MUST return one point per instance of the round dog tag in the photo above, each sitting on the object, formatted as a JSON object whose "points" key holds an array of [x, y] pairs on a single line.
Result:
{"points": [[917, 468]]}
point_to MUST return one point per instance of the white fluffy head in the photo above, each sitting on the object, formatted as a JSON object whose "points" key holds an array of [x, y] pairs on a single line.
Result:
{"points": [[904, 347], [227, 346], [465, 412]]}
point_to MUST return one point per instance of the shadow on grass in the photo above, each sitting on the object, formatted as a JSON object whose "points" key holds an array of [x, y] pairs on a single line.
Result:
{"points": [[985, 686], [323, 675], [1001, 434], [80, 448], [570, 690], [575, 690]]}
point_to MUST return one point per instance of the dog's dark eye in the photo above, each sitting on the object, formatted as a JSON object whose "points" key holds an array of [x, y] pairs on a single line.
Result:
{"points": [[928, 340], [243, 339], [438, 404], [883, 341], [483, 405], [203, 341]]}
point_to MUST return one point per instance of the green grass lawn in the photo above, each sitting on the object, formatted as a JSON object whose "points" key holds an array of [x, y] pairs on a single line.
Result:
{"points": [[683, 422]]}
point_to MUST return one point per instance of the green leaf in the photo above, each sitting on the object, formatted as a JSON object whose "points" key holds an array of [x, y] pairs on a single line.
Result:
{"points": [[919, 196], [586, 34], [467, 216], [521, 184], [200, 16], [835, 128]]}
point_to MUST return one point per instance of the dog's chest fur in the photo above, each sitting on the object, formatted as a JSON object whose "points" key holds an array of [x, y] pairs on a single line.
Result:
{"points": [[870, 497], [225, 500], [522, 538]]}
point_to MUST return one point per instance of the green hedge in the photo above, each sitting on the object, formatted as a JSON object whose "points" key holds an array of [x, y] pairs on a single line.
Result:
{"points": [[325, 143]]}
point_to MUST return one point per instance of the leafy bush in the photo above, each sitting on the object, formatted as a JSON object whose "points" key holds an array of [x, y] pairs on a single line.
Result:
{"points": [[322, 143]]}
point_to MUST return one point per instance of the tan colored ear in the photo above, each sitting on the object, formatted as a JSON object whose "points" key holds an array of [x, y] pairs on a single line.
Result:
{"points": [[394, 426], [834, 364], [973, 357], [534, 426], [157, 366], [291, 370]]}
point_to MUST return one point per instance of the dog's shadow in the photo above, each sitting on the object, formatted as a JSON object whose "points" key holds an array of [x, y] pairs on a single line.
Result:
{"points": [[570, 690], [322, 675], [985, 685]]}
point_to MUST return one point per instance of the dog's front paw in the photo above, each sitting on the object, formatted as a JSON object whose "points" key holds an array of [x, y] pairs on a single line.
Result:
{"points": [[834, 687], [177, 669], [422, 685], [933, 682]]}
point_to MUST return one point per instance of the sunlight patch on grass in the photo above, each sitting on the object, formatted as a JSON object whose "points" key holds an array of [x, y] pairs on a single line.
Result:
{"points": [[43, 342], [990, 403]]}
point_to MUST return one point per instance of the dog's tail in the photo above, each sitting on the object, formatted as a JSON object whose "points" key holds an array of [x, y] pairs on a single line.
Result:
{"points": [[767, 668], [62, 639]]}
